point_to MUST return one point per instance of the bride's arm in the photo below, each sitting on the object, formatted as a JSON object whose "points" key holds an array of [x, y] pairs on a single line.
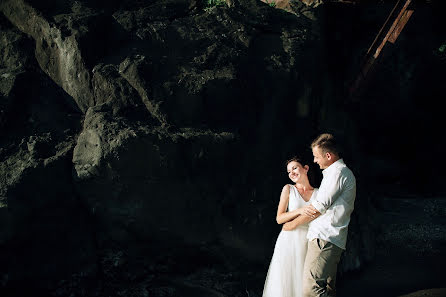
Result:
{"points": [[302, 219], [282, 215]]}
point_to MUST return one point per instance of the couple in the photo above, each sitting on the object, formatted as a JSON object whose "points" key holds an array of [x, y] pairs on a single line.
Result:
{"points": [[315, 224]]}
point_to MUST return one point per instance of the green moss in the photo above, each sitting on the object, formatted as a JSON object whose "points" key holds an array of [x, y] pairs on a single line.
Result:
{"points": [[272, 3], [211, 3]]}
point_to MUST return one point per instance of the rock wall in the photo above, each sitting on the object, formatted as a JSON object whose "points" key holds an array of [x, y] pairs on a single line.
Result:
{"points": [[137, 134]]}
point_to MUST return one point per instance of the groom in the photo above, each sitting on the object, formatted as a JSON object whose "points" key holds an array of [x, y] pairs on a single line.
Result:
{"points": [[329, 214]]}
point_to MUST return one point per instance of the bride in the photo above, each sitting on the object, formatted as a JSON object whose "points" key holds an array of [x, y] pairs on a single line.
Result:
{"points": [[284, 277]]}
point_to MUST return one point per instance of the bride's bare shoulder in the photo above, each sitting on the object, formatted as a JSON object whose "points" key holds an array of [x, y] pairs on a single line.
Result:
{"points": [[287, 187]]}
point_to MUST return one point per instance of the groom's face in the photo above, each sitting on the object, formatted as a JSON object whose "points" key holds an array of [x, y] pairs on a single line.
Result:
{"points": [[320, 158]]}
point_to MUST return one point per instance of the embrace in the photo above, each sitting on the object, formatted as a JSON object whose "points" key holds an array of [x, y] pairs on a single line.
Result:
{"points": [[315, 224]]}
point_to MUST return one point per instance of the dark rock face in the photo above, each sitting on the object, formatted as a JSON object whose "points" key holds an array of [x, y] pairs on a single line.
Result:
{"points": [[159, 191], [15, 50], [57, 49], [214, 50], [145, 139], [42, 230], [114, 90]]}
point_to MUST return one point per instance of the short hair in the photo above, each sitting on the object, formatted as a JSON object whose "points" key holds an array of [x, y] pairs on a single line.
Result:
{"points": [[327, 143]]}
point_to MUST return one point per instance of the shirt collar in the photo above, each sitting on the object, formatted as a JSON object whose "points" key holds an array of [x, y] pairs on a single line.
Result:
{"points": [[338, 164]]}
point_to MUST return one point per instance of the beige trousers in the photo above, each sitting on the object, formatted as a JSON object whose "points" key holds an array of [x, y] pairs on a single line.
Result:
{"points": [[320, 268]]}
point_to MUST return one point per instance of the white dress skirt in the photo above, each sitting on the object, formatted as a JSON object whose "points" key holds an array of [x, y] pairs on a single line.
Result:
{"points": [[285, 273]]}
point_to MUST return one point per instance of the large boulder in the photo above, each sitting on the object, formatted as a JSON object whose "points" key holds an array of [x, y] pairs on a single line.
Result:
{"points": [[15, 59], [141, 181], [163, 125], [67, 44], [42, 233]]}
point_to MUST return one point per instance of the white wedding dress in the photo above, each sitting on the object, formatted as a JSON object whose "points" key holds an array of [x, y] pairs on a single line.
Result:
{"points": [[284, 278]]}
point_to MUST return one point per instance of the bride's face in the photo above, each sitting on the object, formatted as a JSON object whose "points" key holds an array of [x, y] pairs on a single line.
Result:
{"points": [[296, 171]]}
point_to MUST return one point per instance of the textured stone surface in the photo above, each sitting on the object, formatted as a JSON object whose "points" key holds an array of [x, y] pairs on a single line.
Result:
{"points": [[180, 107], [59, 44], [15, 55], [148, 179], [144, 140]]}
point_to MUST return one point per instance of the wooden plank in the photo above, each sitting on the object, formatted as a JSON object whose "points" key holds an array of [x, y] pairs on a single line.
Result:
{"points": [[392, 33], [392, 28], [400, 26]]}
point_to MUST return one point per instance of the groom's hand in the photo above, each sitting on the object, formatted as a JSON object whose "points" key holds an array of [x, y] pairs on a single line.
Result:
{"points": [[310, 211]]}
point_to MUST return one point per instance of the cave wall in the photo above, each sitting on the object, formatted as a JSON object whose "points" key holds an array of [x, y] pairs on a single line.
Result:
{"points": [[150, 128]]}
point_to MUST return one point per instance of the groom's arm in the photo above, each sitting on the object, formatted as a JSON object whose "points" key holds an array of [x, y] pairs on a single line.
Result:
{"points": [[329, 191]]}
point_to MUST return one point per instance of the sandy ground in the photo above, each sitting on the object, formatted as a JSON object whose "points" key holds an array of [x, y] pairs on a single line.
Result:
{"points": [[410, 256], [409, 262]]}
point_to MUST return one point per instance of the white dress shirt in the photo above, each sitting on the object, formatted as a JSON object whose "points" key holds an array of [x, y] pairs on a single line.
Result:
{"points": [[335, 201]]}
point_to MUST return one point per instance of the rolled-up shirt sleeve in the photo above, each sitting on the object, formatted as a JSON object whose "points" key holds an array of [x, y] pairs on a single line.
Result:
{"points": [[328, 192]]}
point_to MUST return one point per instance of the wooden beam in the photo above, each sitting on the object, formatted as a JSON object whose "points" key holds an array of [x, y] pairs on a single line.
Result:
{"points": [[391, 35]]}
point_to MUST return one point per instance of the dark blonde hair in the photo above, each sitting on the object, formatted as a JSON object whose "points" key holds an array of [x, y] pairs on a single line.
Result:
{"points": [[327, 143]]}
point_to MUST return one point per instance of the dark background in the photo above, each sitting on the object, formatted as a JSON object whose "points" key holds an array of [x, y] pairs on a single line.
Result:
{"points": [[143, 143]]}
